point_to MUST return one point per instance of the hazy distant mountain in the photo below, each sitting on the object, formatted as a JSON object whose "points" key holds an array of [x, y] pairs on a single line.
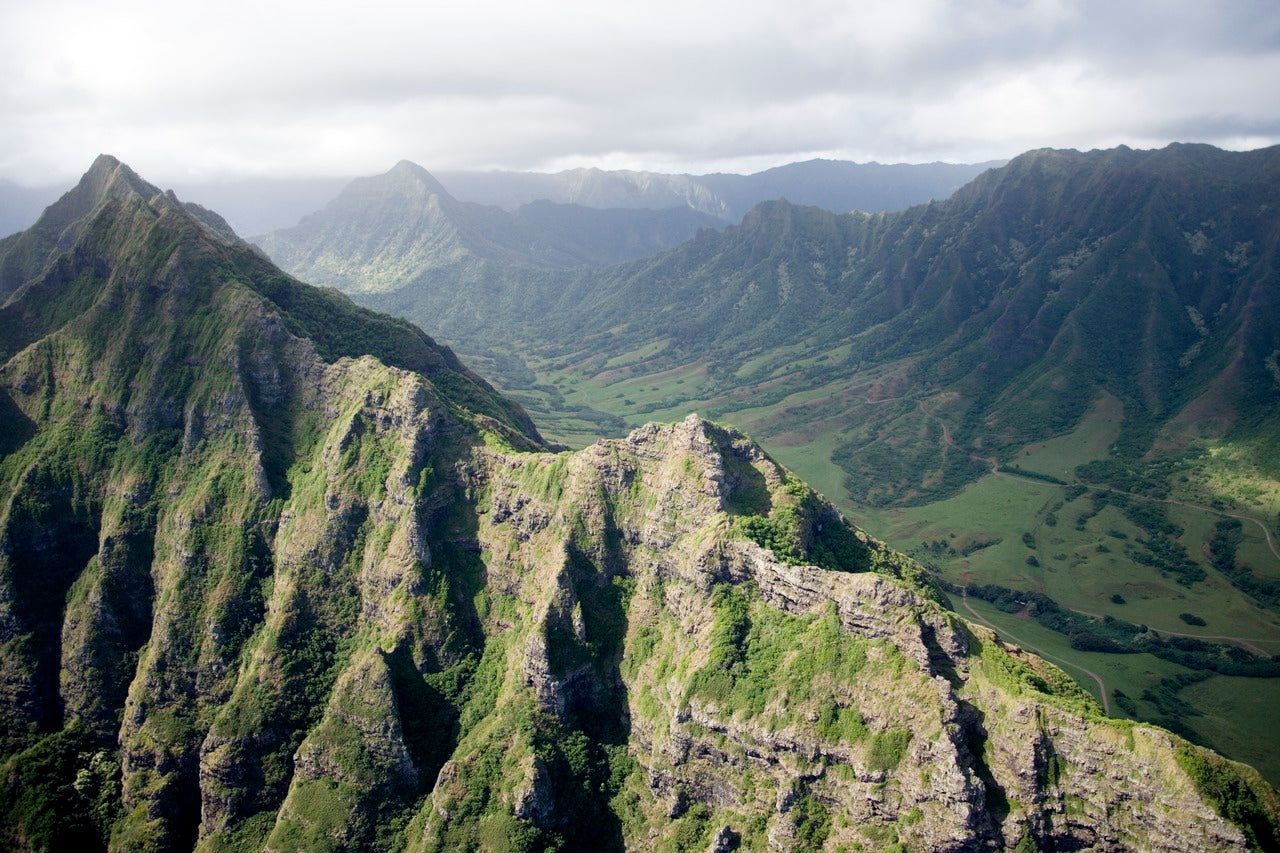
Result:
{"points": [[841, 186], [280, 573], [836, 185], [587, 187], [404, 226], [259, 205]]}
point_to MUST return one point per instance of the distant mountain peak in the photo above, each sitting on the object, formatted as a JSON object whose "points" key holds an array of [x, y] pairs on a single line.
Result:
{"points": [[408, 172], [102, 164], [109, 178]]}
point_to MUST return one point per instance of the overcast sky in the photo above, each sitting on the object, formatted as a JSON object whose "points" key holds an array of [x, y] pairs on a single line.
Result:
{"points": [[185, 91]]}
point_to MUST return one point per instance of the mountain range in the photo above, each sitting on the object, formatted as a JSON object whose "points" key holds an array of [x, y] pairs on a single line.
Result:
{"points": [[277, 572], [408, 223], [259, 205], [837, 185], [1145, 275]]}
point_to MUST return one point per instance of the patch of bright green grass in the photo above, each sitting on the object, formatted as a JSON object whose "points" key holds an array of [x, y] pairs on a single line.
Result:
{"points": [[1234, 714], [812, 462], [754, 366], [1229, 472], [1059, 456], [638, 355]]}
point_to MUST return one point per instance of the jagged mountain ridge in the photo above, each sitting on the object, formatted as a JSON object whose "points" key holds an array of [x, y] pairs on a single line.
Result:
{"points": [[276, 572]]}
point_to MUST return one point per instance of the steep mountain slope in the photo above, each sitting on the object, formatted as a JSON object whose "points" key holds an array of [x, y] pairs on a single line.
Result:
{"points": [[1150, 275], [404, 226], [279, 573], [836, 185]]}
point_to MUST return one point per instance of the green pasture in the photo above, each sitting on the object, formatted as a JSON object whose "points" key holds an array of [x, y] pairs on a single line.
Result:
{"points": [[1059, 456], [1029, 534], [812, 461], [1082, 567], [1237, 717]]}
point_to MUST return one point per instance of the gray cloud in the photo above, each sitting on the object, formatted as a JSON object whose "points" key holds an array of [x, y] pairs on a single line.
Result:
{"points": [[290, 88]]}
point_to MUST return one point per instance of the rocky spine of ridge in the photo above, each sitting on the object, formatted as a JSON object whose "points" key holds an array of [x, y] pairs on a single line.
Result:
{"points": [[262, 590]]}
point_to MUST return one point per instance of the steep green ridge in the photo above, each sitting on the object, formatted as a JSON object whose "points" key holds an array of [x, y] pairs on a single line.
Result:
{"points": [[260, 587]]}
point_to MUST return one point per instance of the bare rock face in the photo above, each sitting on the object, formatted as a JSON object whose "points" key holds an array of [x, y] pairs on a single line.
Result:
{"points": [[260, 589]]}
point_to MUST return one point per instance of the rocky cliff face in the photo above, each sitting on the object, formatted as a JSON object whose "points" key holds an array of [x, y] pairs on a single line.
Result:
{"points": [[277, 573]]}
